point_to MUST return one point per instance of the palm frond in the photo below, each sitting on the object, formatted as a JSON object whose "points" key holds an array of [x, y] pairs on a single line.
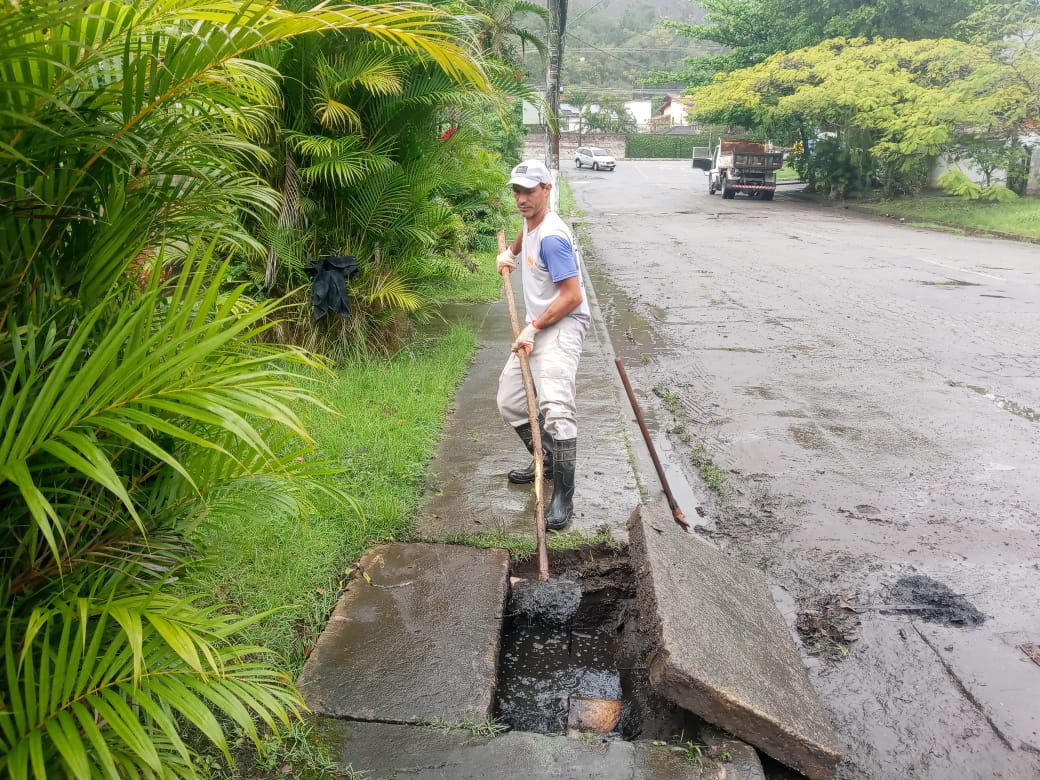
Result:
{"points": [[154, 370], [97, 685], [337, 162]]}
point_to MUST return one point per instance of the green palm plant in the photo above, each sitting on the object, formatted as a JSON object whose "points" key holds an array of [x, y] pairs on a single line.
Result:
{"points": [[502, 24], [375, 178], [135, 384]]}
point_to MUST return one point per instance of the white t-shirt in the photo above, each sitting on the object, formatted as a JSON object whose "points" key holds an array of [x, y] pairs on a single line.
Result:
{"points": [[548, 257]]}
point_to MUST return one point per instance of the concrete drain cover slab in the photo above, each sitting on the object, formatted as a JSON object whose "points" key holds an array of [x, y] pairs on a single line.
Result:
{"points": [[722, 649], [998, 676], [415, 638], [396, 752]]}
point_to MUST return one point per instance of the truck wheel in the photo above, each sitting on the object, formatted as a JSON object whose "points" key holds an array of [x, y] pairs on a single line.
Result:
{"points": [[711, 185], [767, 195], [727, 192]]}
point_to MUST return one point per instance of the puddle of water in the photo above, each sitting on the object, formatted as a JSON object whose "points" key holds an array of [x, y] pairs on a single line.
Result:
{"points": [[975, 389], [1012, 407], [1017, 409], [952, 283], [677, 482]]}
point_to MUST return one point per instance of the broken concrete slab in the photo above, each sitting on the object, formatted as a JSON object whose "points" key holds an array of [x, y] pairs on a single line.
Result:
{"points": [[417, 639], [719, 759], [996, 676], [722, 650], [392, 751]]}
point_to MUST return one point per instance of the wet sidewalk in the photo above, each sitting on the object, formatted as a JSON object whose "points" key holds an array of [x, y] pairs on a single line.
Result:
{"points": [[468, 492]]}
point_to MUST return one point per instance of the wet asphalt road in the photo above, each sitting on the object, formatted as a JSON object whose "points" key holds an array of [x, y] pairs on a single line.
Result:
{"points": [[871, 393]]}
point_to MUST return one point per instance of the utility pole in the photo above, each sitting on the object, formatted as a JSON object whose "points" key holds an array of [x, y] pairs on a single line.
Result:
{"points": [[557, 29]]}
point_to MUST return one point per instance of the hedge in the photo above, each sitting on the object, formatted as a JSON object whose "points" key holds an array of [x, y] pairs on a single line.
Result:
{"points": [[649, 145]]}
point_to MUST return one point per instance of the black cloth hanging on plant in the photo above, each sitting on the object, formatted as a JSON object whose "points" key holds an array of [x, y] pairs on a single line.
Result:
{"points": [[329, 276]]}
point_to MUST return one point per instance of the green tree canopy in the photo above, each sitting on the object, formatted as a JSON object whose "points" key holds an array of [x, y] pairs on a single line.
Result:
{"points": [[896, 101], [1011, 31], [748, 31]]}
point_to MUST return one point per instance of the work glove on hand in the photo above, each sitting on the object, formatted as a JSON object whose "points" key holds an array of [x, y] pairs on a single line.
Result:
{"points": [[506, 259], [525, 340]]}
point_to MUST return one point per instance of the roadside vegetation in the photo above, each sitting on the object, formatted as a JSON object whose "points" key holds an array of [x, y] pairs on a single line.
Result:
{"points": [[380, 423], [1019, 218], [868, 96], [167, 172]]}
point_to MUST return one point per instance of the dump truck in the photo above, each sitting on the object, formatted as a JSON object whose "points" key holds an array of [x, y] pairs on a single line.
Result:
{"points": [[740, 165]]}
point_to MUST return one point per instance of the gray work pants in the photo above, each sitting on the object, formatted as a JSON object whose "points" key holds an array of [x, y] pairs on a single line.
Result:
{"points": [[554, 366]]}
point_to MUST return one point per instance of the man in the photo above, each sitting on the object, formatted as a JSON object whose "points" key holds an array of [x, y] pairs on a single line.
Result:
{"points": [[557, 318]]}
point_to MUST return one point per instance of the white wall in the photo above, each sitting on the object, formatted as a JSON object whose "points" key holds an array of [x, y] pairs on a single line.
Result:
{"points": [[641, 110], [532, 116], [947, 162], [677, 112]]}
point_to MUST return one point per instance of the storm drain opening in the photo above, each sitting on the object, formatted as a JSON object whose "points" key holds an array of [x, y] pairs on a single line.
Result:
{"points": [[588, 677]]}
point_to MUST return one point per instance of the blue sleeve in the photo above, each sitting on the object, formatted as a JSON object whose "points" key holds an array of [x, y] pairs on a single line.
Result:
{"points": [[558, 257]]}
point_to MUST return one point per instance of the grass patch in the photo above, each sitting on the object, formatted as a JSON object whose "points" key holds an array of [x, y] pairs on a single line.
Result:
{"points": [[672, 402], [713, 476], [384, 423], [787, 173], [521, 548], [568, 206], [693, 752], [489, 727], [1018, 218], [481, 285], [307, 752], [382, 426]]}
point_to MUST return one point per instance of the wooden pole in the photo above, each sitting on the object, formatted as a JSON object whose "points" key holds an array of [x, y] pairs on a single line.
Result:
{"points": [[532, 413]]}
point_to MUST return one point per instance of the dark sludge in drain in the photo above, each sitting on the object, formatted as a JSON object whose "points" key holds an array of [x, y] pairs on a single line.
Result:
{"points": [[552, 677]]}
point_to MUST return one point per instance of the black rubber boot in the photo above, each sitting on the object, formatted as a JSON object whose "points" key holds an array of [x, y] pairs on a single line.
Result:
{"points": [[565, 455], [526, 476]]}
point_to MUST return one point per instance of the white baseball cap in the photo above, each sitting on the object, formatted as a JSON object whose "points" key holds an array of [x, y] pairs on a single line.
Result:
{"points": [[530, 173]]}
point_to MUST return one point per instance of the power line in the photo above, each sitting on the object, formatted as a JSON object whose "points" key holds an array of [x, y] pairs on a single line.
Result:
{"points": [[632, 48], [590, 8], [620, 91], [603, 51]]}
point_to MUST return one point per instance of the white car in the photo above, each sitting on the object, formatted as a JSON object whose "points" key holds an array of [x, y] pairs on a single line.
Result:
{"points": [[596, 158]]}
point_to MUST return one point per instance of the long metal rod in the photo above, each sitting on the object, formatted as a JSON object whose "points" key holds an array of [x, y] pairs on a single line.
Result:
{"points": [[536, 433], [677, 513]]}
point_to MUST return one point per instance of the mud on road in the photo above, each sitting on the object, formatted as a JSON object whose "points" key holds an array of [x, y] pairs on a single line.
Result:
{"points": [[856, 404]]}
